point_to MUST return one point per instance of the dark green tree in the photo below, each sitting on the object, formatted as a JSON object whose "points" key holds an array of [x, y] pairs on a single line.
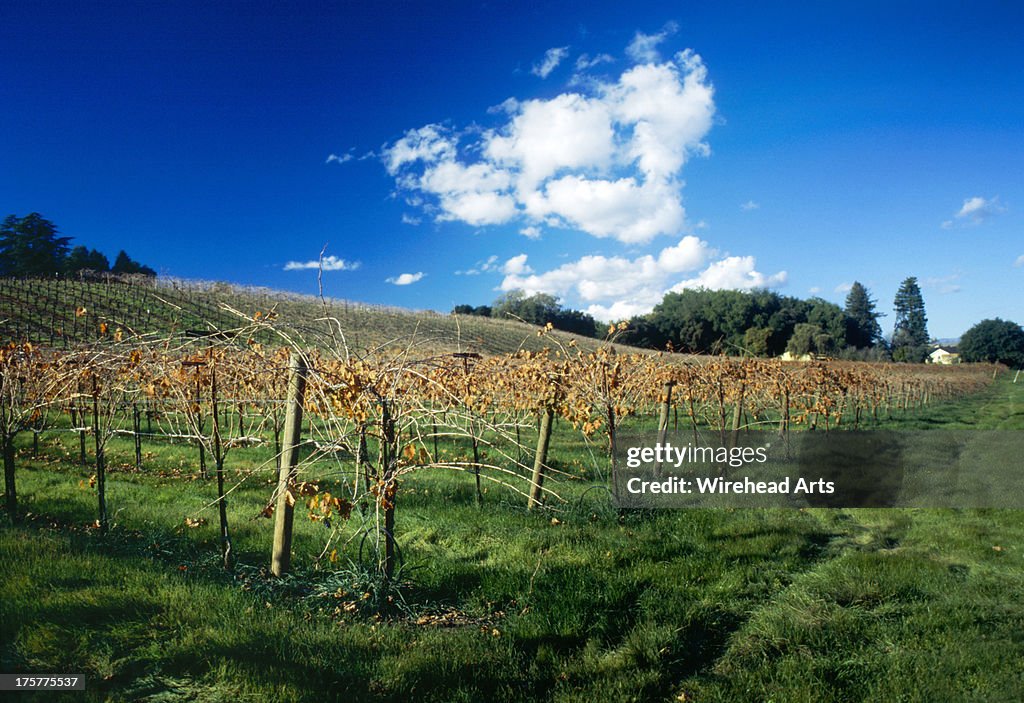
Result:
{"points": [[82, 259], [830, 318], [642, 331], [755, 341], [478, 311], [809, 338], [862, 328], [540, 309], [910, 336], [995, 340], [124, 264], [30, 246], [537, 309]]}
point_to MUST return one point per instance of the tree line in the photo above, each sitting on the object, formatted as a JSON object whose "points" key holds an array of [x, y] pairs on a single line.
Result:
{"points": [[765, 323], [745, 323], [32, 246], [538, 309]]}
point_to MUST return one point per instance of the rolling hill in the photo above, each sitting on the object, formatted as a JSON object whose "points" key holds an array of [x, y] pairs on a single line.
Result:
{"points": [[61, 313]]}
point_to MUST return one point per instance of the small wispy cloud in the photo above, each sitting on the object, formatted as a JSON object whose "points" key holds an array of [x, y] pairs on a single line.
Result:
{"points": [[530, 232], [552, 57], [406, 279], [644, 47], [335, 159], [975, 211], [750, 205], [330, 263], [843, 288], [489, 265], [408, 219], [1019, 262], [814, 290], [943, 284], [586, 61], [508, 106]]}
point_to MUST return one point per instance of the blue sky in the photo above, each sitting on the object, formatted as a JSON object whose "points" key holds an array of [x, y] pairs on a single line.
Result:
{"points": [[605, 152]]}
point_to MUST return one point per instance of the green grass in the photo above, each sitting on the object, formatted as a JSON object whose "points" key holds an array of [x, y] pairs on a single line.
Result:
{"points": [[729, 605]]}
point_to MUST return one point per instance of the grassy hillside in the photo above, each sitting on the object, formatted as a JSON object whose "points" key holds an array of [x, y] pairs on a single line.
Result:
{"points": [[61, 313]]}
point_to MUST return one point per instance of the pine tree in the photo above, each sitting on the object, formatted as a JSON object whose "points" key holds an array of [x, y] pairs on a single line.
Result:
{"points": [[910, 336], [29, 246], [863, 330]]}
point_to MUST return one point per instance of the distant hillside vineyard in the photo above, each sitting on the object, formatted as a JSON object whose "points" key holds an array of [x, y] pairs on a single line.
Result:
{"points": [[61, 313]]}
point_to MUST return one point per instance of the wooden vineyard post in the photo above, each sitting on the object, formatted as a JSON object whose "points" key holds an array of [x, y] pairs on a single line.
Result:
{"points": [[737, 416], [218, 456], [663, 414], [389, 454], [609, 406], [476, 465], [543, 439], [199, 420], [281, 556], [137, 429], [9, 484], [101, 478], [434, 435]]}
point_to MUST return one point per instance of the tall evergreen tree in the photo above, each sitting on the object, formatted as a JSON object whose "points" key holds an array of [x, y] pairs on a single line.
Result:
{"points": [[29, 246], [863, 330], [910, 336]]}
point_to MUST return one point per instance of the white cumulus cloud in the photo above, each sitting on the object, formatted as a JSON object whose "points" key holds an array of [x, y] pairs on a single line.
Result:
{"points": [[612, 288], [406, 279], [1019, 262], [516, 266], [733, 273], [429, 144], [569, 131], [330, 263], [631, 212], [605, 161], [750, 205], [975, 211], [552, 57]]}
